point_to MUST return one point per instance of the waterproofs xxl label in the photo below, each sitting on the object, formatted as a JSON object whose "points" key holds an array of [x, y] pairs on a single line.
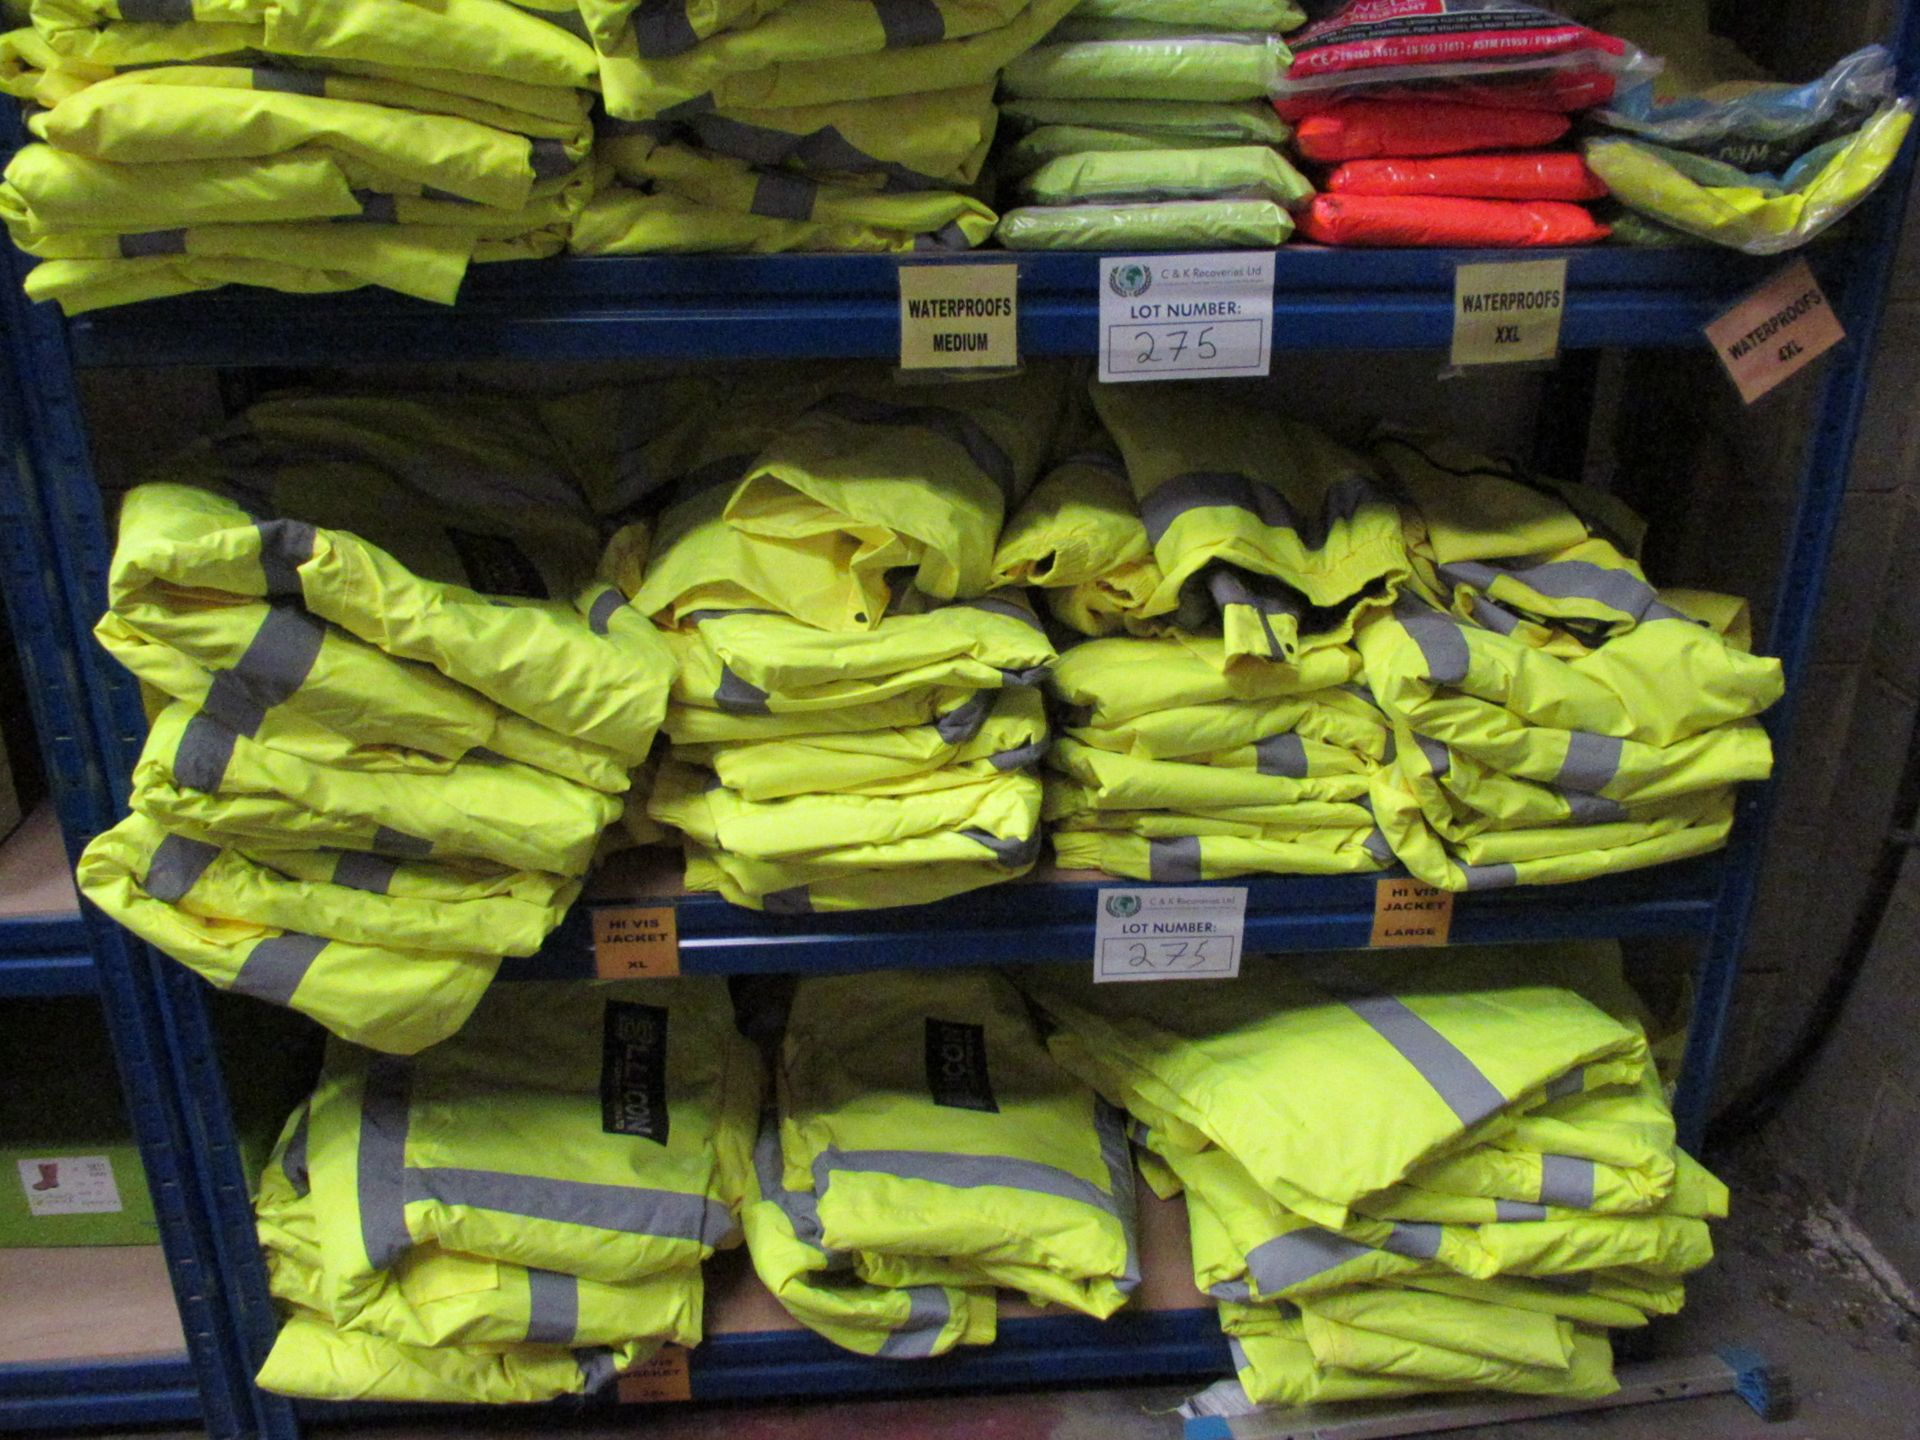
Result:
{"points": [[1186, 317], [1505, 313], [1169, 932]]}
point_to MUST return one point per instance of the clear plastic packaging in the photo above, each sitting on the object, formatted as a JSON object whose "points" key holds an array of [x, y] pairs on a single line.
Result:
{"points": [[1398, 129], [1548, 175], [1416, 220], [1123, 229]]}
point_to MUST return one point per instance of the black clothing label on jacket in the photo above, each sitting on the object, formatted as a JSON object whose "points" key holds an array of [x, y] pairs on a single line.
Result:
{"points": [[957, 1066], [633, 1071], [497, 566]]}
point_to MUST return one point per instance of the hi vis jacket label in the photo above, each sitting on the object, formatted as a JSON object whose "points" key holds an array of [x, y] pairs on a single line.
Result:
{"points": [[957, 1066], [633, 1071]]}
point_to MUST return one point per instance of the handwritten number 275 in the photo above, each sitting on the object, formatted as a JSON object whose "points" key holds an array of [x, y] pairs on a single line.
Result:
{"points": [[1177, 345]]}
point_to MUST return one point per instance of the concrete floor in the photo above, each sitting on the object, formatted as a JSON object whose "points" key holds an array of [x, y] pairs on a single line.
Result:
{"points": [[1786, 1284]]}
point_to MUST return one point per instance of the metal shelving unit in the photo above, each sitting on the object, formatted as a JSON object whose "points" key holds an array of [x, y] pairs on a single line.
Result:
{"points": [[57, 545]]}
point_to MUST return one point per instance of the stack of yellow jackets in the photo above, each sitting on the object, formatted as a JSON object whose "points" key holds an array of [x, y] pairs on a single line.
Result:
{"points": [[1147, 127], [188, 147], [926, 1149], [854, 721], [1555, 716], [520, 1212], [1406, 1179], [374, 768], [769, 125]]}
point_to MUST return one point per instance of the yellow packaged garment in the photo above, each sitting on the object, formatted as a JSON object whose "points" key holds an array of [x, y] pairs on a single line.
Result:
{"points": [[384, 995], [1012, 735], [930, 140], [719, 182], [498, 1145], [1111, 682], [210, 782], [938, 1143], [538, 634], [813, 497], [817, 52], [1261, 525], [1121, 174], [475, 37], [620, 220], [1446, 1056], [1757, 214]]}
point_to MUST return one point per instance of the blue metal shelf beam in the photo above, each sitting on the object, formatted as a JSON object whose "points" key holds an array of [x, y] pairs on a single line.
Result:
{"points": [[92, 1394]]}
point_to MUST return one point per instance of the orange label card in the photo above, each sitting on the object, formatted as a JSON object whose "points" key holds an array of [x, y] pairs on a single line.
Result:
{"points": [[1775, 332], [1406, 912], [662, 1378], [636, 942]]}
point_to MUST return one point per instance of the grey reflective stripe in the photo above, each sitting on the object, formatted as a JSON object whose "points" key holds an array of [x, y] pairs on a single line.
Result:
{"points": [[698, 105], [1117, 1154], [275, 967], [205, 750], [1237, 1292], [1011, 851], [1284, 755], [597, 1370], [1211, 489], [359, 871], [1566, 1181], [285, 545], [549, 159], [1579, 1282], [954, 425], [375, 209], [661, 29], [1443, 645], [1592, 809], [386, 1109], [153, 242], [928, 1311], [446, 197], [712, 783], [389, 841], [801, 1207], [1021, 756], [553, 1307], [274, 665], [961, 1172], [827, 149], [176, 865], [1574, 1082], [779, 195], [910, 22], [1418, 1241], [1659, 610], [1494, 617], [1175, 861], [1376, 845], [1592, 761], [963, 722], [1575, 580], [999, 604], [157, 12], [948, 237], [1490, 877], [794, 900], [1239, 1354], [1454, 1077], [737, 696], [289, 82], [1023, 679], [1076, 717], [605, 606], [624, 1209], [1512, 1211], [700, 617], [293, 1160], [1298, 1256]]}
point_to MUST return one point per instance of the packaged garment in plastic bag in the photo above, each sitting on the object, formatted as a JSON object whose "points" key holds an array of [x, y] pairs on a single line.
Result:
{"points": [[1551, 175], [1760, 214], [1446, 221], [1201, 65], [1254, 172], [1172, 225], [1491, 52], [1271, 15], [1374, 129], [1235, 122]]}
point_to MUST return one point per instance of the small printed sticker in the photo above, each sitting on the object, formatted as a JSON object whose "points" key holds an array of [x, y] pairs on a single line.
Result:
{"points": [[662, 1379], [1408, 913], [70, 1185]]}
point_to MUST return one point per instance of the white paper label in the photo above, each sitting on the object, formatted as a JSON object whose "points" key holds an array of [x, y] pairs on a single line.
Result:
{"points": [[1169, 932], [70, 1185], [1186, 317]]}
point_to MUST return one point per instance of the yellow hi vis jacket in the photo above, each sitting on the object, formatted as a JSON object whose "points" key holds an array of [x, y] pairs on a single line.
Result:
{"points": [[942, 1144], [603, 1132], [663, 28], [1113, 681], [1443, 1067], [1261, 525], [620, 220]]}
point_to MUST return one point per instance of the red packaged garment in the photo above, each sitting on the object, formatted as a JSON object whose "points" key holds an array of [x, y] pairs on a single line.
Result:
{"points": [[1371, 129], [1429, 220], [1550, 175], [1486, 52]]}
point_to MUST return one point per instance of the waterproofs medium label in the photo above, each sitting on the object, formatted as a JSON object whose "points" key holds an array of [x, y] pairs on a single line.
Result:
{"points": [[1169, 932], [1186, 317], [957, 1066], [959, 317], [633, 1071]]}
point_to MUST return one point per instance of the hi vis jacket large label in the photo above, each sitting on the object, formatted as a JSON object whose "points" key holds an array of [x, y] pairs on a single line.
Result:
{"points": [[633, 1071]]}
